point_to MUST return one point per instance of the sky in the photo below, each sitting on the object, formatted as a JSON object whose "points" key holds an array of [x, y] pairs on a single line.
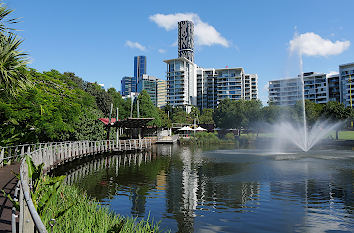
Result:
{"points": [[97, 40]]}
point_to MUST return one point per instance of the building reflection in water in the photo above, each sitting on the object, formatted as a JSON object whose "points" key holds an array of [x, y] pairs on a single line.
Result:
{"points": [[193, 184]]}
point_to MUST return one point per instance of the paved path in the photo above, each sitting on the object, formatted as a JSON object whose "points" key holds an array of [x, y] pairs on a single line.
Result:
{"points": [[8, 183]]}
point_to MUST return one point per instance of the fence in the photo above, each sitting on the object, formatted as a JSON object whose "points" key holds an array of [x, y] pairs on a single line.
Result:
{"points": [[52, 155]]}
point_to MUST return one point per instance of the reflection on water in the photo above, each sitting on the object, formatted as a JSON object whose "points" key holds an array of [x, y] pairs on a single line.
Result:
{"points": [[225, 190]]}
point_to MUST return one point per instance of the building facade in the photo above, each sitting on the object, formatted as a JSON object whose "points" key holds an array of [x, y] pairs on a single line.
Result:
{"points": [[161, 93], [148, 83], [139, 70], [250, 86], [318, 87], [333, 88], [287, 92], [189, 85], [346, 75], [127, 85], [186, 40], [181, 83], [214, 85]]}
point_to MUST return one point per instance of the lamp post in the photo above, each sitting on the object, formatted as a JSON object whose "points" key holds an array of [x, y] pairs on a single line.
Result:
{"points": [[350, 95]]}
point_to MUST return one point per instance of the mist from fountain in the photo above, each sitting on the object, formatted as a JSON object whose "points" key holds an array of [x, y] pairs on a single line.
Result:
{"points": [[300, 134]]}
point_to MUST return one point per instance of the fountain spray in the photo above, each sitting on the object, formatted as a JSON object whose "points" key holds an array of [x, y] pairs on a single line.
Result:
{"points": [[303, 102]]}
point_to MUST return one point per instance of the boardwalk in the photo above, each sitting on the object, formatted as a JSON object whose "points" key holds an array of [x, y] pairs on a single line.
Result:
{"points": [[8, 182], [51, 155]]}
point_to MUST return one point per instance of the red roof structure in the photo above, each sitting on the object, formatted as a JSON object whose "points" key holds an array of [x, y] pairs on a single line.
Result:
{"points": [[106, 120]]}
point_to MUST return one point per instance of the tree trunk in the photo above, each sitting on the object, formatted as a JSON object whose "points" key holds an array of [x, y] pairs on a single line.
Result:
{"points": [[337, 134]]}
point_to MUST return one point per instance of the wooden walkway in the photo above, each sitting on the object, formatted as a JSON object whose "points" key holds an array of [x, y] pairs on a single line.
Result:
{"points": [[8, 183]]}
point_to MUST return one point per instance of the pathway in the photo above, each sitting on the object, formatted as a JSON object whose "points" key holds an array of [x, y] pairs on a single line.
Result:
{"points": [[8, 183]]}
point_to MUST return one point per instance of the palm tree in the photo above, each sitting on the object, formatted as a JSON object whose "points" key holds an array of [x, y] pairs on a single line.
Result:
{"points": [[12, 61]]}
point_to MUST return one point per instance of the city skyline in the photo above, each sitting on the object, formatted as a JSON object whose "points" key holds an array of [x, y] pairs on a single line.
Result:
{"points": [[260, 37]]}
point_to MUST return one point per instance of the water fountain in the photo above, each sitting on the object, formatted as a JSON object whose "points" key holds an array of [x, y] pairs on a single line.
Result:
{"points": [[299, 134]]}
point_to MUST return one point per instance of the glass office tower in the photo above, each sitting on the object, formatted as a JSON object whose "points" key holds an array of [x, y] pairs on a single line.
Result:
{"points": [[139, 70]]}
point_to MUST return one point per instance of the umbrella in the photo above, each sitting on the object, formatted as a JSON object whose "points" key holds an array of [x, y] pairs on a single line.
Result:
{"points": [[185, 128], [200, 129]]}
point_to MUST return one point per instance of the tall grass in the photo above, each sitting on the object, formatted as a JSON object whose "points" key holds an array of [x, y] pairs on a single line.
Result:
{"points": [[74, 211]]}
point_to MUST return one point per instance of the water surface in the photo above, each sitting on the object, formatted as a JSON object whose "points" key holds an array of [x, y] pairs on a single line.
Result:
{"points": [[226, 189]]}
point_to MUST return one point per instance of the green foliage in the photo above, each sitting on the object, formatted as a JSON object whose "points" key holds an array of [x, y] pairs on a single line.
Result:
{"points": [[44, 188], [148, 109], [271, 113], [12, 61], [194, 113], [103, 99], [87, 127], [165, 121], [179, 115], [207, 116], [89, 215], [252, 113], [335, 111], [230, 114], [120, 103], [229, 137]]}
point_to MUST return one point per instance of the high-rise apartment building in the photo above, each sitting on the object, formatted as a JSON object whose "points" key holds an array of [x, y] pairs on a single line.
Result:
{"points": [[181, 83], [161, 93], [127, 85], [186, 40], [139, 70], [189, 85], [214, 85], [250, 86], [289, 91], [333, 88], [318, 87], [346, 76]]}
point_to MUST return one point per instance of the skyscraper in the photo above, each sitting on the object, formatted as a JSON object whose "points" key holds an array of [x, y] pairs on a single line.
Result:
{"points": [[139, 70], [186, 40], [126, 86]]}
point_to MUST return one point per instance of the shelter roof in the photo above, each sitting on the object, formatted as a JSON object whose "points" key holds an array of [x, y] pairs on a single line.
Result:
{"points": [[106, 120]]}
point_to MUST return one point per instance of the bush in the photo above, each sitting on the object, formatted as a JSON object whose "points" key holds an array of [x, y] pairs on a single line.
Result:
{"points": [[74, 211], [229, 137]]}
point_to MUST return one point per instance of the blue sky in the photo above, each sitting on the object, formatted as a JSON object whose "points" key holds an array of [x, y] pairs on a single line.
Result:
{"points": [[99, 39]]}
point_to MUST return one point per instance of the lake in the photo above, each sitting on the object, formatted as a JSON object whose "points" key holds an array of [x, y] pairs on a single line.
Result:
{"points": [[224, 189]]}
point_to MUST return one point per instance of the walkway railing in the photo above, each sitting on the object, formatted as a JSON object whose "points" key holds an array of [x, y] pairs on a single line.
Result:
{"points": [[52, 155]]}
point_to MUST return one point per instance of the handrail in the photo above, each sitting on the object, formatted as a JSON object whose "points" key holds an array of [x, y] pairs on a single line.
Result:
{"points": [[53, 154]]}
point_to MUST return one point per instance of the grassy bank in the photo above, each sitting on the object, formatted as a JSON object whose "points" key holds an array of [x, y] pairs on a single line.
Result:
{"points": [[208, 138], [74, 211], [342, 135]]}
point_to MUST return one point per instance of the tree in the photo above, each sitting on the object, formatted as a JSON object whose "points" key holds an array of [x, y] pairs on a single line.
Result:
{"points": [[165, 122], [335, 112], [12, 61], [271, 113], [148, 109], [194, 114], [252, 114], [230, 114], [312, 110], [103, 99], [119, 102], [179, 115], [207, 116]]}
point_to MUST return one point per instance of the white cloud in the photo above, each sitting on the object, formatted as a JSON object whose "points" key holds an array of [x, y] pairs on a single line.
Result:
{"points": [[311, 44], [135, 45], [332, 73], [161, 51], [205, 34]]}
